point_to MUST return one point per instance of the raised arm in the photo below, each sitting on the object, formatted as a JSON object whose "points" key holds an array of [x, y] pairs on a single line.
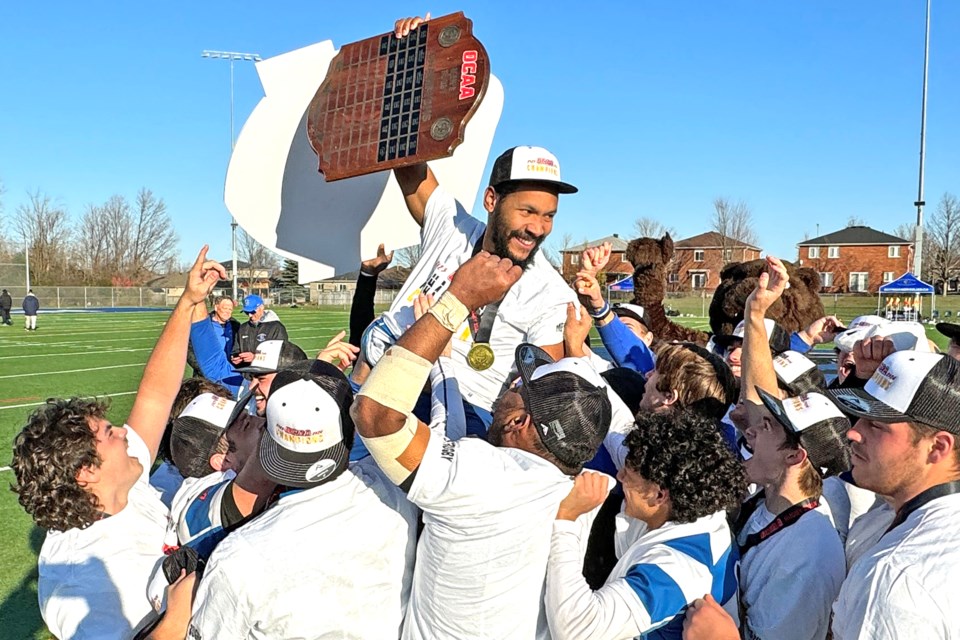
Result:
{"points": [[757, 362], [164, 370], [417, 183], [383, 408]]}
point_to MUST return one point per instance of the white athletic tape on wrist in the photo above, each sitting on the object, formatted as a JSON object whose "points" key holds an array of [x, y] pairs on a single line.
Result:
{"points": [[397, 380], [388, 450], [449, 312]]}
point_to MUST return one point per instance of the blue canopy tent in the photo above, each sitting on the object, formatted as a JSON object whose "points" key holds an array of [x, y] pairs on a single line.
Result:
{"points": [[625, 284], [905, 285]]}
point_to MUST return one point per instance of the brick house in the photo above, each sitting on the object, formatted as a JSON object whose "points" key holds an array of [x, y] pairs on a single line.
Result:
{"points": [[617, 268], [698, 260], [857, 259]]}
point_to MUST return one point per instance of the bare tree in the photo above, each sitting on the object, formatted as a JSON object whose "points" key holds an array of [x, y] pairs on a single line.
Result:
{"points": [[553, 249], [909, 233], [255, 254], [91, 246], [646, 227], [154, 240], [734, 222], [45, 226], [855, 221], [944, 236], [408, 256]]}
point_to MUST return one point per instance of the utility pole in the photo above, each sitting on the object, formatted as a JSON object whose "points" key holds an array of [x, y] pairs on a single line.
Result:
{"points": [[918, 245], [232, 56]]}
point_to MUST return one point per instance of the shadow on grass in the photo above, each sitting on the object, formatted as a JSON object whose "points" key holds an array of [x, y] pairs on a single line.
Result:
{"points": [[20, 613]]}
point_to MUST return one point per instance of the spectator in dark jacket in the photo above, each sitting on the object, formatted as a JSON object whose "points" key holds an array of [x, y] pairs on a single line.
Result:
{"points": [[30, 307], [262, 325], [6, 303]]}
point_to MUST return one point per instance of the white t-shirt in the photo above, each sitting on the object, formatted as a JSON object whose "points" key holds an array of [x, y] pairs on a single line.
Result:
{"points": [[650, 587], [905, 586], [93, 581], [847, 503], [488, 514], [534, 310], [333, 561], [789, 580], [866, 531]]}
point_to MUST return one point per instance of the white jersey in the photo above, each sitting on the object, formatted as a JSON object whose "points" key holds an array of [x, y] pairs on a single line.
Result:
{"points": [[333, 561], [650, 587], [534, 310], [93, 581], [789, 580], [905, 586], [847, 503], [197, 511], [488, 514], [867, 530]]}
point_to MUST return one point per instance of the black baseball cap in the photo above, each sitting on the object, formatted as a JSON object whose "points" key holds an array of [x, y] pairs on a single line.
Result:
{"points": [[272, 356], [635, 311], [568, 404], [777, 336], [818, 423], [950, 330], [528, 164]]}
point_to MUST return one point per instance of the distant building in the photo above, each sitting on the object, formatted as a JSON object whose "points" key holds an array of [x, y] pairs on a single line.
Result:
{"points": [[617, 269], [249, 280], [698, 260], [346, 283], [857, 259]]}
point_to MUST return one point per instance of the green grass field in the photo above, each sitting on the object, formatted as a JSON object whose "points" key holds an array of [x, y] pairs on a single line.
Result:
{"points": [[98, 354]]}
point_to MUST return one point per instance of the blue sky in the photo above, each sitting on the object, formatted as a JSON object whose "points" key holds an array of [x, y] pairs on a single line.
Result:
{"points": [[809, 110]]}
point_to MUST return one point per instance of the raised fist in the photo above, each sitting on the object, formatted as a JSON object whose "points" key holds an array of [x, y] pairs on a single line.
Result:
{"points": [[483, 279]]}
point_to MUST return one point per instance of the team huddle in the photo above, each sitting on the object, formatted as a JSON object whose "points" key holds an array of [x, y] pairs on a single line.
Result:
{"points": [[465, 465]]}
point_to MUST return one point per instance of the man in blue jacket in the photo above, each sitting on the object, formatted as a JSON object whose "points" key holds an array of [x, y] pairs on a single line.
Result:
{"points": [[30, 307]]}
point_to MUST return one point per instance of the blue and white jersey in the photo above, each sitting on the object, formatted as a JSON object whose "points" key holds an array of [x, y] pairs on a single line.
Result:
{"points": [[197, 511], [649, 589]]}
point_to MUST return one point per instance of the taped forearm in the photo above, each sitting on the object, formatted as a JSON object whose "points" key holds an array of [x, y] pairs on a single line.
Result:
{"points": [[399, 454], [397, 380], [447, 417]]}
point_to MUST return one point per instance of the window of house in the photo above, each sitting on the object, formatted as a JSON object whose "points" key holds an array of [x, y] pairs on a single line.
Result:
{"points": [[673, 278], [858, 281], [698, 280], [813, 252], [826, 279], [623, 257], [888, 276], [574, 258], [698, 255], [728, 255], [893, 251], [833, 252]]}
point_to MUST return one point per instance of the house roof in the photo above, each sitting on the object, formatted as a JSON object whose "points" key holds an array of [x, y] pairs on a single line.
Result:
{"points": [[618, 244], [857, 234], [169, 281], [711, 240]]}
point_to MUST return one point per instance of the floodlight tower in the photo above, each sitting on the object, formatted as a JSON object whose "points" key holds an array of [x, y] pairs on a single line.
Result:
{"points": [[918, 246], [232, 56]]}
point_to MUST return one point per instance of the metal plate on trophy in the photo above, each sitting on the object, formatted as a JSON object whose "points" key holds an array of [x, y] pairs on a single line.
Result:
{"points": [[390, 102]]}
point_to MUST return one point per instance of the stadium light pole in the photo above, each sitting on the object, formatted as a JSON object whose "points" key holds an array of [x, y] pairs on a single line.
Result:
{"points": [[26, 256], [232, 56], [918, 245]]}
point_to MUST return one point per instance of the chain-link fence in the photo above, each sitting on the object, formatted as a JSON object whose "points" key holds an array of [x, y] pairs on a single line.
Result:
{"points": [[93, 297]]}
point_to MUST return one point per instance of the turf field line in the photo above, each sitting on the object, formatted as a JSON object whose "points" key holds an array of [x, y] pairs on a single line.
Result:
{"points": [[73, 342], [55, 334], [37, 404], [2, 469], [75, 353], [53, 373]]}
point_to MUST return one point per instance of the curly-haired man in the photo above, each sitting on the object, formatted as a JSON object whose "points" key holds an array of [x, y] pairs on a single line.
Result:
{"points": [[679, 479], [86, 482]]}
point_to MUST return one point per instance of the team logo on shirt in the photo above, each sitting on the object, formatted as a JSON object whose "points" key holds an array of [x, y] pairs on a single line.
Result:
{"points": [[261, 337]]}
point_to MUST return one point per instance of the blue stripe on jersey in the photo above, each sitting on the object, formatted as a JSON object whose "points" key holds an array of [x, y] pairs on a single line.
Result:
{"points": [[197, 518], [658, 592], [724, 572]]}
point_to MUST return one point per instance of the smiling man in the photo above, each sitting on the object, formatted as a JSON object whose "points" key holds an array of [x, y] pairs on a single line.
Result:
{"points": [[906, 447], [85, 481]]}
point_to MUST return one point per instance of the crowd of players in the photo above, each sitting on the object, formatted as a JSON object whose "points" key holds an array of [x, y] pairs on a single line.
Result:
{"points": [[481, 472]]}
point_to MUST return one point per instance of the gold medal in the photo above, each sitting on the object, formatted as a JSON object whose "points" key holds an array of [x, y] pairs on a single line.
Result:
{"points": [[480, 356]]}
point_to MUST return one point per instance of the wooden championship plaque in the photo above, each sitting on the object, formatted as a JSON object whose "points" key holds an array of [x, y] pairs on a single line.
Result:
{"points": [[390, 102]]}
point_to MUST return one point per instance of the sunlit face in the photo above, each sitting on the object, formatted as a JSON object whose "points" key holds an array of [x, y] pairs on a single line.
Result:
{"points": [[732, 354], [508, 410], [223, 310], [765, 438], [884, 456], [521, 221], [117, 466], [640, 494], [260, 386], [653, 399]]}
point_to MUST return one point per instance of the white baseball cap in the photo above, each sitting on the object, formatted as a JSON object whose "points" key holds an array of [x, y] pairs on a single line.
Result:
{"points": [[528, 164], [906, 336]]}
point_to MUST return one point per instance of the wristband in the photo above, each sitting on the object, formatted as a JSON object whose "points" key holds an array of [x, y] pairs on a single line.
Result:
{"points": [[449, 312], [604, 310]]}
